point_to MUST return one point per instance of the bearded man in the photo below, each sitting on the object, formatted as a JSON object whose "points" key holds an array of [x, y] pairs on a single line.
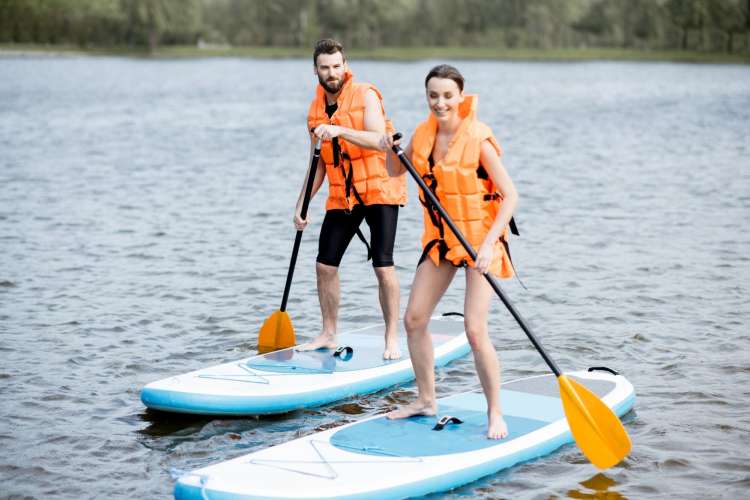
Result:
{"points": [[349, 118]]}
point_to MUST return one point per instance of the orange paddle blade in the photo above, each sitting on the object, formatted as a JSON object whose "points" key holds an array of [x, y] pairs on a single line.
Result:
{"points": [[595, 427], [276, 333]]}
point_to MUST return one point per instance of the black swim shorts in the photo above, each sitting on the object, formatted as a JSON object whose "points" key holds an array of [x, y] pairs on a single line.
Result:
{"points": [[339, 227]]}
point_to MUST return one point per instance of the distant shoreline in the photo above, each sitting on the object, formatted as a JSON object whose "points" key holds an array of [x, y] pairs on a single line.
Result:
{"points": [[385, 53]]}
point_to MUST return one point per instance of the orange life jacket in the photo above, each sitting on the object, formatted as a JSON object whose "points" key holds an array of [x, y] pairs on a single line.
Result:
{"points": [[463, 188], [355, 175]]}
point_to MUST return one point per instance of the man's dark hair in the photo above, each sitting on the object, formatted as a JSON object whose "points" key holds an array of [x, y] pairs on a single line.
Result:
{"points": [[446, 71], [327, 46]]}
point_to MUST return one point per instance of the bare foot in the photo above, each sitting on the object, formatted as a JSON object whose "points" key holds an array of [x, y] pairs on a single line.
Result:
{"points": [[322, 341], [496, 427], [392, 349], [414, 409]]}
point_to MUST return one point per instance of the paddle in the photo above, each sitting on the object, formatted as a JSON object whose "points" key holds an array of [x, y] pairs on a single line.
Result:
{"points": [[598, 432], [277, 331]]}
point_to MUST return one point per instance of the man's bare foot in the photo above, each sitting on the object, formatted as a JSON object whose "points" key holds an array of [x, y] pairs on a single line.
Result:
{"points": [[392, 349], [414, 409], [322, 341], [496, 427]]}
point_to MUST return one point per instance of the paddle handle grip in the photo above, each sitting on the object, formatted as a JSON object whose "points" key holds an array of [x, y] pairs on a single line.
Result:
{"points": [[303, 214], [492, 281]]}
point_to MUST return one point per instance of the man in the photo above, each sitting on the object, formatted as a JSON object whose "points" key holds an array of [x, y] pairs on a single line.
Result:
{"points": [[350, 120]]}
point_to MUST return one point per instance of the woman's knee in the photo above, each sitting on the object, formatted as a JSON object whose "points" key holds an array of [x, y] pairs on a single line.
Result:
{"points": [[414, 322], [476, 334]]}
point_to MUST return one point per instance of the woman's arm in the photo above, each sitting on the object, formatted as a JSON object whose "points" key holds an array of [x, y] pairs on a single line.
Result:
{"points": [[500, 178], [392, 163]]}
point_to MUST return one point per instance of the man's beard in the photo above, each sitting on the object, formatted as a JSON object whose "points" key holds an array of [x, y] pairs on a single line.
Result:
{"points": [[331, 86]]}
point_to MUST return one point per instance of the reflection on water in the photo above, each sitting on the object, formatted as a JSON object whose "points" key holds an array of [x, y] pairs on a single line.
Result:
{"points": [[146, 228], [163, 424], [598, 487]]}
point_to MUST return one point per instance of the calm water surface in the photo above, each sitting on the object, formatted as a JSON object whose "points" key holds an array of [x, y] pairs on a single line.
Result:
{"points": [[145, 230]]}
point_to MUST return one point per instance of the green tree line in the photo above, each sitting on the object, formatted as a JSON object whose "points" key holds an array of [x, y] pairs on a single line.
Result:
{"points": [[704, 25]]}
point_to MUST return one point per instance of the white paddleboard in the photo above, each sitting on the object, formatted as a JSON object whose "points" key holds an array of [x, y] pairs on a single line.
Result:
{"points": [[381, 458], [286, 380]]}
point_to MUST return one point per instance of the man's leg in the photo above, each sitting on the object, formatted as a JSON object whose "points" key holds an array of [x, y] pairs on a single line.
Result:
{"points": [[335, 234], [389, 294], [329, 291], [382, 220]]}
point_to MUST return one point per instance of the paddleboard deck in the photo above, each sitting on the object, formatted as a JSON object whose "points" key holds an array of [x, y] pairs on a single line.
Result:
{"points": [[380, 458], [287, 380]]}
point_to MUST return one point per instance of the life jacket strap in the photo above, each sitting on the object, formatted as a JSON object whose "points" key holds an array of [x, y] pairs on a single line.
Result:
{"points": [[435, 217], [442, 252], [512, 223], [513, 266], [336, 151], [349, 180], [513, 227], [338, 155], [362, 238]]}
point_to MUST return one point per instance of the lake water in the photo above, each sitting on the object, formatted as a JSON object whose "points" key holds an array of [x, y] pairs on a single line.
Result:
{"points": [[146, 226]]}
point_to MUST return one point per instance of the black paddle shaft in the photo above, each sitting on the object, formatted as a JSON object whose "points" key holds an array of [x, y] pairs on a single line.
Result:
{"points": [[303, 215], [492, 281]]}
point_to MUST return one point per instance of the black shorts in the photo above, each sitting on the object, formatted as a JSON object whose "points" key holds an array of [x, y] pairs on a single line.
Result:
{"points": [[340, 227]]}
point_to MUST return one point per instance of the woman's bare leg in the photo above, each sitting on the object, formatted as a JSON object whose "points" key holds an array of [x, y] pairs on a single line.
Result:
{"points": [[476, 305], [430, 283]]}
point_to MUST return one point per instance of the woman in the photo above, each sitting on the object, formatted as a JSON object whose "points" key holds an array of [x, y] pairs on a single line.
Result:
{"points": [[459, 159]]}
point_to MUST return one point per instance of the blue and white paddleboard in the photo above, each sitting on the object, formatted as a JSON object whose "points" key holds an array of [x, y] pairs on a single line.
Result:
{"points": [[380, 458], [286, 380]]}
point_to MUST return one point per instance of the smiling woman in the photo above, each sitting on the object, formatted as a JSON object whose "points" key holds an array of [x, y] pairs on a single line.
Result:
{"points": [[460, 159]]}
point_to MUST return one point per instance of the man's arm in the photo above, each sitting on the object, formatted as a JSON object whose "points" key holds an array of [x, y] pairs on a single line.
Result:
{"points": [[370, 138], [320, 174]]}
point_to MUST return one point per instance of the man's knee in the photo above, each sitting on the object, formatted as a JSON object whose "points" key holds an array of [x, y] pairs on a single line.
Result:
{"points": [[380, 261], [385, 274], [326, 272]]}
